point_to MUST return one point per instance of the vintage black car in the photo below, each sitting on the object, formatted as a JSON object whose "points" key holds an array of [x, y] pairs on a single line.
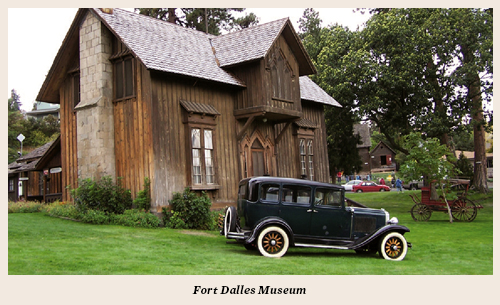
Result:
{"points": [[276, 213]]}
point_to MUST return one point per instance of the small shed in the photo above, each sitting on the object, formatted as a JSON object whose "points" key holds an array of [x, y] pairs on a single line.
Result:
{"points": [[383, 158]]}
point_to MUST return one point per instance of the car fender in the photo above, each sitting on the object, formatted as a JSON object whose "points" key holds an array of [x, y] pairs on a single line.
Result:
{"points": [[265, 222], [362, 242]]}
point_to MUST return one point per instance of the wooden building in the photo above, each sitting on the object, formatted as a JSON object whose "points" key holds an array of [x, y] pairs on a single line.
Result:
{"points": [[363, 130], [37, 175], [383, 158], [140, 97]]}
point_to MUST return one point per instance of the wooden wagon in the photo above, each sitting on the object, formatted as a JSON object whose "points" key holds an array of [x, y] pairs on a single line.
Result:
{"points": [[462, 208]]}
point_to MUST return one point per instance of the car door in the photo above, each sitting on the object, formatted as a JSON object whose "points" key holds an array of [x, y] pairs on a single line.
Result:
{"points": [[330, 219], [295, 207]]}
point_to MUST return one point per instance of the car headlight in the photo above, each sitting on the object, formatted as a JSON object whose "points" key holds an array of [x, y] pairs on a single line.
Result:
{"points": [[393, 221]]}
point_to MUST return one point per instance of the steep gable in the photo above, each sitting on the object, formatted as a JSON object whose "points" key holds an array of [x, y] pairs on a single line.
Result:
{"points": [[167, 47], [255, 42]]}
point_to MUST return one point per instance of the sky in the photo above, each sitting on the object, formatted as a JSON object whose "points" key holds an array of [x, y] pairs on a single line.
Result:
{"points": [[35, 36]]}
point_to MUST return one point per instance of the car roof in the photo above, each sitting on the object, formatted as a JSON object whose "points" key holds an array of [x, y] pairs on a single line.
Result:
{"points": [[260, 179]]}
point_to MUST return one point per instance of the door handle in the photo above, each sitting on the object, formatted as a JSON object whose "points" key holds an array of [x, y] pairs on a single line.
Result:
{"points": [[309, 211]]}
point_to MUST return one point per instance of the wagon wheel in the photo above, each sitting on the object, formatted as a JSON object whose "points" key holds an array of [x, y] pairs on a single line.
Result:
{"points": [[463, 210], [420, 212]]}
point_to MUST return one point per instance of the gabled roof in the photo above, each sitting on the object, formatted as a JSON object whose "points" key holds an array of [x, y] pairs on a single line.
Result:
{"points": [[310, 91], [166, 47], [382, 143], [30, 161], [254, 43]]}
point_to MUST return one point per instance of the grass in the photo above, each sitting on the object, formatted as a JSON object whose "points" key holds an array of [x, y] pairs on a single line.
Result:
{"points": [[39, 244]]}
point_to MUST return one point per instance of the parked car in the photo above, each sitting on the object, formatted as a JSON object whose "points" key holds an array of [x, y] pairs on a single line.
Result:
{"points": [[369, 186], [348, 185], [273, 214], [413, 185]]}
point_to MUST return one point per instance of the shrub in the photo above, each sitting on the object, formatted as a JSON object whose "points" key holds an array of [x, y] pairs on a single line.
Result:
{"points": [[102, 195], [191, 209], [143, 199], [94, 217], [137, 218], [24, 207], [61, 209]]}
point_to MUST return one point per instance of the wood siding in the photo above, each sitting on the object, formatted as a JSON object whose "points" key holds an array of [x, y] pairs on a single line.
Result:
{"points": [[133, 142], [259, 95], [315, 113], [69, 161], [172, 161]]}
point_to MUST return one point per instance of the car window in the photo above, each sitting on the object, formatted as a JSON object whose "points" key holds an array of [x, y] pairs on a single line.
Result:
{"points": [[270, 192], [296, 194], [328, 197]]}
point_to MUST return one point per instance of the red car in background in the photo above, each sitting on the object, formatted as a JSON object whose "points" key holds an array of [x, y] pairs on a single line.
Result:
{"points": [[368, 186]]}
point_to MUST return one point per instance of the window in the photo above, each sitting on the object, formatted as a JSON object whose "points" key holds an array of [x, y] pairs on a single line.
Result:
{"points": [[202, 155], [306, 158], [11, 185], [328, 197], [200, 122], [270, 192], [124, 78], [296, 194], [281, 78]]}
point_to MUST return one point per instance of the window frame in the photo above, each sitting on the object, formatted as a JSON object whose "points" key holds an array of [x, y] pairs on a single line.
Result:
{"points": [[203, 122], [119, 63]]}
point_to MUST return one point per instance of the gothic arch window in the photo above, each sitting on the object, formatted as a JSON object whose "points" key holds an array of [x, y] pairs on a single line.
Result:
{"points": [[281, 77], [257, 156]]}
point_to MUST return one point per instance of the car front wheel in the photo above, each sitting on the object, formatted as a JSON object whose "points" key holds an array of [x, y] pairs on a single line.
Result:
{"points": [[393, 247], [272, 242], [359, 191]]}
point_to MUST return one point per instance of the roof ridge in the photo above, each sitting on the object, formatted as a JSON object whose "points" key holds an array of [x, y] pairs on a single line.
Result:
{"points": [[254, 27], [161, 21]]}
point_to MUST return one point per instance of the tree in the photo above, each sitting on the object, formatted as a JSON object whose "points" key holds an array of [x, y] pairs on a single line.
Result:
{"points": [[328, 48], [211, 20], [428, 158], [36, 132]]}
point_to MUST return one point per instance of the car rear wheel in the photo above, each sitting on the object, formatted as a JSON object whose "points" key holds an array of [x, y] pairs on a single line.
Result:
{"points": [[272, 242], [230, 220], [393, 247]]}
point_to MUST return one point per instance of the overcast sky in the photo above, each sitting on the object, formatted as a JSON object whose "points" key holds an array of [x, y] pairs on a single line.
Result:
{"points": [[35, 35]]}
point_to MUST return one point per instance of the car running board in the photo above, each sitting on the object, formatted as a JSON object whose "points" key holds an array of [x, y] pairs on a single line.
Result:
{"points": [[321, 246]]}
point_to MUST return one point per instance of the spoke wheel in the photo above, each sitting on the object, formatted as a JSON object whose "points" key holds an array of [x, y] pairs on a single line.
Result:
{"points": [[273, 242], [230, 220], [420, 212], [393, 247], [464, 210]]}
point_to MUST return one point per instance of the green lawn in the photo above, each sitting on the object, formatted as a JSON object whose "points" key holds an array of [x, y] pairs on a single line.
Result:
{"points": [[39, 244]]}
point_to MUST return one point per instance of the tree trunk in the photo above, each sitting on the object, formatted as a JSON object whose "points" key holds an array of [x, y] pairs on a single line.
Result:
{"points": [[480, 166], [474, 95]]}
